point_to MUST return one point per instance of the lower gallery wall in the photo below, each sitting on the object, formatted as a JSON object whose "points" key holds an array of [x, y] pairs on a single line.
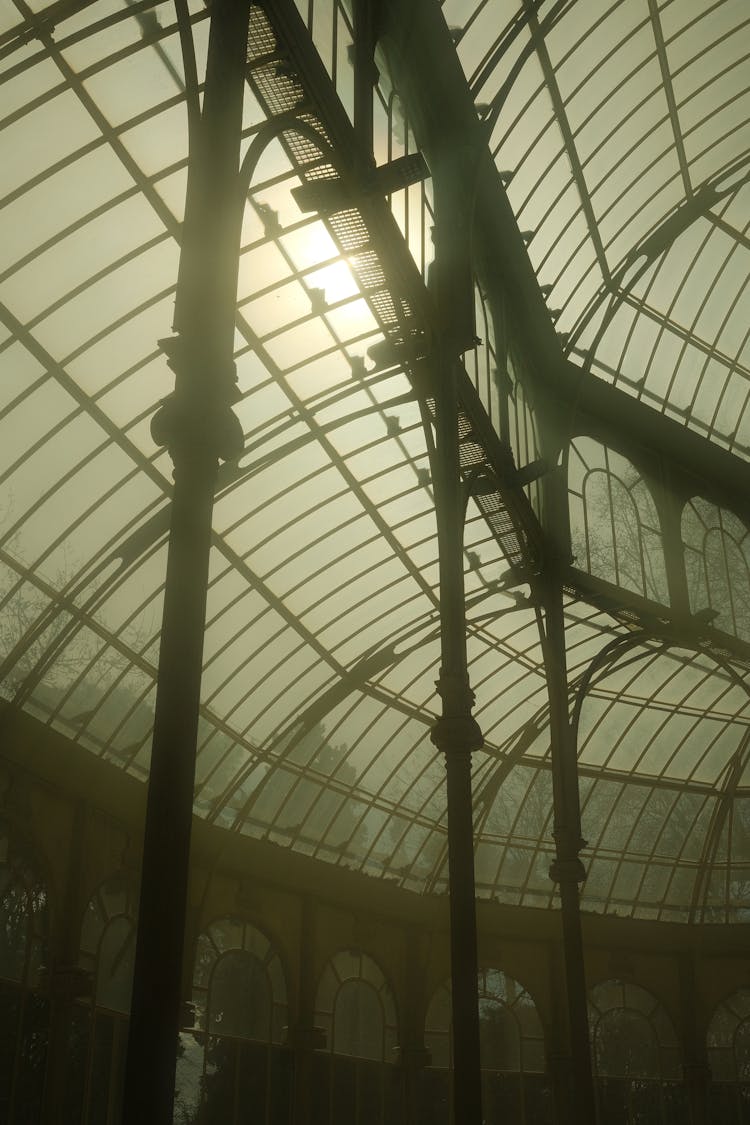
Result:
{"points": [[315, 996]]}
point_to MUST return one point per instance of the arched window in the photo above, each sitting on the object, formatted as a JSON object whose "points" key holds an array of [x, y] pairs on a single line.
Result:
{"points": [[717, 564], [23, 914], [728, 1045], [24, 1012], [511, 1044], [614, 527], [635, 1054], [728, 1039], [99, 1027], [108, 944], [232, 1056], [239, 987], [355, 1008]]}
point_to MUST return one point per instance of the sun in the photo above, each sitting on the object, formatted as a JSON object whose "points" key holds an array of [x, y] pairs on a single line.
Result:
{"points": [[328, 275]]}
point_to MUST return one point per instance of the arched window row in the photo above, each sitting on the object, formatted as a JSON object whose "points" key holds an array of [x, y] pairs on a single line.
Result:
{"points": [[617, 535], [235, 1051]]}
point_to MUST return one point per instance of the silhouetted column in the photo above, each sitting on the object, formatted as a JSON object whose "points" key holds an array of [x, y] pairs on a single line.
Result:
{"points": [[697, 1079], [456, 733], [365, 77], [303, 1037], [411, 1055], [669, 505], [412, 1062], [198, 428], [566, 870], [66, 982], [695, 1070]]}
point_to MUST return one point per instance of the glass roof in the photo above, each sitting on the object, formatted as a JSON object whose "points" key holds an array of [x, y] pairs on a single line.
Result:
{"points": [[322, 635], [626, 127]]}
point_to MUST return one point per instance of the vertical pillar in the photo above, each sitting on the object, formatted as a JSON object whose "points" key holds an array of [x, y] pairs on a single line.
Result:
{"points": [[696, 1071], [365, 77], [567, 870], [697, 1079], [303, 1037], [557, 1039], [65, 980], [456, 733], [669, 504], [411, 1054], [412, 1062], [198, 428]]}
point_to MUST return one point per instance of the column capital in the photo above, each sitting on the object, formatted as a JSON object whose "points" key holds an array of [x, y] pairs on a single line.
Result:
{"points": [[197, 417], [457, 734], [567, 871], [188, 429], [456, 731], [455, 691], [569, 843]]}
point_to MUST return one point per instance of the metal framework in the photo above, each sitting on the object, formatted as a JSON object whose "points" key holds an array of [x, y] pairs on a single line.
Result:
{"points": [[581, 307]]}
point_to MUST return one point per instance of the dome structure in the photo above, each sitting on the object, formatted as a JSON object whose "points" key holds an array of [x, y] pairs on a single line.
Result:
{"points": [[598, 158]]}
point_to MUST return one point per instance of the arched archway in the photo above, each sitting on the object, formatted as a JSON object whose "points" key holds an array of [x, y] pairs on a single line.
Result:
{"points": [[636, 1056], [614, 524], [356, 1008], [512, 1047], [233, 1056], [716, 546], [728, 1048]]}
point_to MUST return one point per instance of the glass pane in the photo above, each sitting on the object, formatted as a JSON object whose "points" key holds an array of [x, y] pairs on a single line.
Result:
{"points": [[115, 969], [358, 1021], [240, 998], [625, 1044]]}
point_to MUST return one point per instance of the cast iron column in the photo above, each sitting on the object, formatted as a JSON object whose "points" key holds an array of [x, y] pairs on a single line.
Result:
{"points": [[696, 1073], [303, 1037], [365, 77], [411, 1054], [567, 870], [198, 427], [456, 733], [65, 980]]}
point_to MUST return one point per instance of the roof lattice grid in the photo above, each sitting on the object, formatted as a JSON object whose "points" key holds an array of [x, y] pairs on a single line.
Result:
{"points": [[322, 635], [627, 129]]}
